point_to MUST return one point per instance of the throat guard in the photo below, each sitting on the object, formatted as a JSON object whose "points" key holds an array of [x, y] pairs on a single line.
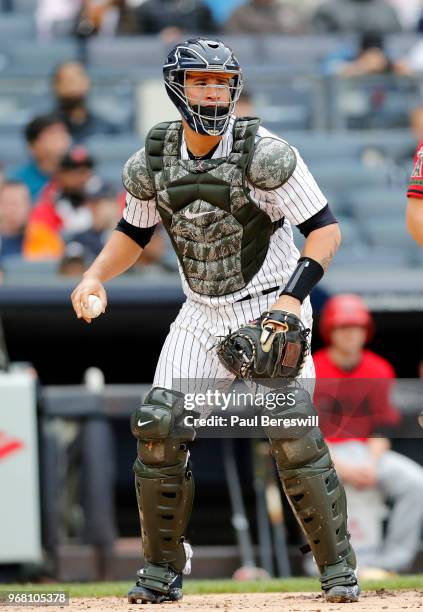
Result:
{"points": [[220, 235]]}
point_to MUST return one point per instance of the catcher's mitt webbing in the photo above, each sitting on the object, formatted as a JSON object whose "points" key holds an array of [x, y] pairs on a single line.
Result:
{"points": [[273, 346]]}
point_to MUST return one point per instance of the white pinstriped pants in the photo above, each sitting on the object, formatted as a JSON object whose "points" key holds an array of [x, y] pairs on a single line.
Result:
{"points": [[189, 349]]}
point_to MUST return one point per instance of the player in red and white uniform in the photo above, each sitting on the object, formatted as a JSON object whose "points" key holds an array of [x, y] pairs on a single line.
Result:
{"points": [[415, 198], [351, 412]]}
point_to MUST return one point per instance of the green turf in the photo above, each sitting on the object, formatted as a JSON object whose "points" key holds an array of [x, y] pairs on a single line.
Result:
{"points": [[119, 589]]}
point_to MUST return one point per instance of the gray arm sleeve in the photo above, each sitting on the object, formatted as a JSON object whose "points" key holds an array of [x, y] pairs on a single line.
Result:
{"points": [[136, 178], [273, 163]]}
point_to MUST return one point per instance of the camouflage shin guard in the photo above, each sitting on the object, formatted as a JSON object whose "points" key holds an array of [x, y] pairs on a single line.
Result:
{"points": [[164, 503]]}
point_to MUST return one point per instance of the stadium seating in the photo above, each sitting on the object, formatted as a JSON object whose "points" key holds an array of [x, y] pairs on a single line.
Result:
{"points": [[365, 203], [143, 54], [382, 231], [17, 268], [377, 102], [13, 149], [341, 176], [292, 98], [25, 6], [115, 149], [16, 26], [32, 59]]}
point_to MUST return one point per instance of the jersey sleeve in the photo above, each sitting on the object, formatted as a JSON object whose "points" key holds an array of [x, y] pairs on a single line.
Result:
{"points": [[415, 186], [300, 198], [141, 213]]}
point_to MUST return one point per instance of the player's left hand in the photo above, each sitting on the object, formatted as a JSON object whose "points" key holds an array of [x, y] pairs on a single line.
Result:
{"points": [[273, 346]]}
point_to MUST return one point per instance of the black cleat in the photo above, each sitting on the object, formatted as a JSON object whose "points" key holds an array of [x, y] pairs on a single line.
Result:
{"points": [[140, 594], [342, 594]]}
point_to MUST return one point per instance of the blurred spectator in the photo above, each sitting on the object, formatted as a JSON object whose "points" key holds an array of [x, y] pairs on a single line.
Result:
{"points": [[267, 16], [71, 86], [105, 213], [56, 17], [48, 140], [74, 261], [356, 16], [416, 123], [15, 204], [408, 12], [359, 408], [107, 17], [412, 63], [405, 157], [60, 210], [106, 209], [245, 106], [370, 59], [221, 9], [172, 18]]}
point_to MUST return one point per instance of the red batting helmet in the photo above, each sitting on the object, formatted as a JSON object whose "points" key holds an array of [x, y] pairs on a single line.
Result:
{"points": [[342, 310]]}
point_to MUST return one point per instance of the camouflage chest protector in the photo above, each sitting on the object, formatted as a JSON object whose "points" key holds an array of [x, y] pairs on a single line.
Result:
{"points": [[219, 234]]}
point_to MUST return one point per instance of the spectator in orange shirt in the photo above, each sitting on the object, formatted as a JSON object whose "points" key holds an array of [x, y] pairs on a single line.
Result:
{"points": [[359, 406], [61, 209], [105, 211]]}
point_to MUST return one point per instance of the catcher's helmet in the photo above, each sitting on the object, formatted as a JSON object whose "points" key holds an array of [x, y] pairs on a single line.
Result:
{"points": [[342, 310], [202, 55]]}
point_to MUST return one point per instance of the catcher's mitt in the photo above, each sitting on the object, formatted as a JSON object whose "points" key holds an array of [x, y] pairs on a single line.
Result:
{"points": [[259, 350]]}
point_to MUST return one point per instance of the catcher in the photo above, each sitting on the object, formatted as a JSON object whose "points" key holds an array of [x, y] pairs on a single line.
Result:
{"points": [[228, 192]]}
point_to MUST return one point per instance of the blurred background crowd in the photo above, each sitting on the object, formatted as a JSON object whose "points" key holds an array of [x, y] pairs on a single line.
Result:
{"points": [[80, 85], [339, 80]]}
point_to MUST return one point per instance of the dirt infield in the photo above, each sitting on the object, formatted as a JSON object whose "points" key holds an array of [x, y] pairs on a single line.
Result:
{"points": [[370, 601]]}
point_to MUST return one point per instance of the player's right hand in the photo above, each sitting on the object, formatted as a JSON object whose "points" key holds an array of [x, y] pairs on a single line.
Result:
{"points": [[79, 296]]}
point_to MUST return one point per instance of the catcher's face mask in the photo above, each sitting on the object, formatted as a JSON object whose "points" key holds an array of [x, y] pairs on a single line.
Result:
{"points": [[210, 98], [204, 80]]}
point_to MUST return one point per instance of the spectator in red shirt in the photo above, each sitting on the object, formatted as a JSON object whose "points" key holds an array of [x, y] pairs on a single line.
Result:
{"points": [[61, 209], [351, 411]]}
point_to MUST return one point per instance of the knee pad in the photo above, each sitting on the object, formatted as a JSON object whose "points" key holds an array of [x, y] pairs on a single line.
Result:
{"points": [[161, 415], [159, 428], [299, 445]]}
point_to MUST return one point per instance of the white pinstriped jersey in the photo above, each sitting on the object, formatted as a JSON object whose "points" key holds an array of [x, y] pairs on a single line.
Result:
{"points": [[297, 201]]}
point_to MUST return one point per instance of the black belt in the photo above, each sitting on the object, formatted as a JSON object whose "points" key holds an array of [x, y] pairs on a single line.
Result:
{"points": [[264, 292]]}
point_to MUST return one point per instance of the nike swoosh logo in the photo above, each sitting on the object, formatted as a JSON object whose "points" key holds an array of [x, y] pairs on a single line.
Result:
{"points": [[145, 423], [9, 445], [190, 215]]}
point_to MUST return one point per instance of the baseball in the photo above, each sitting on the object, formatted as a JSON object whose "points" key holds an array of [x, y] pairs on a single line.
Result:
{"points": [[95, 307]]}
